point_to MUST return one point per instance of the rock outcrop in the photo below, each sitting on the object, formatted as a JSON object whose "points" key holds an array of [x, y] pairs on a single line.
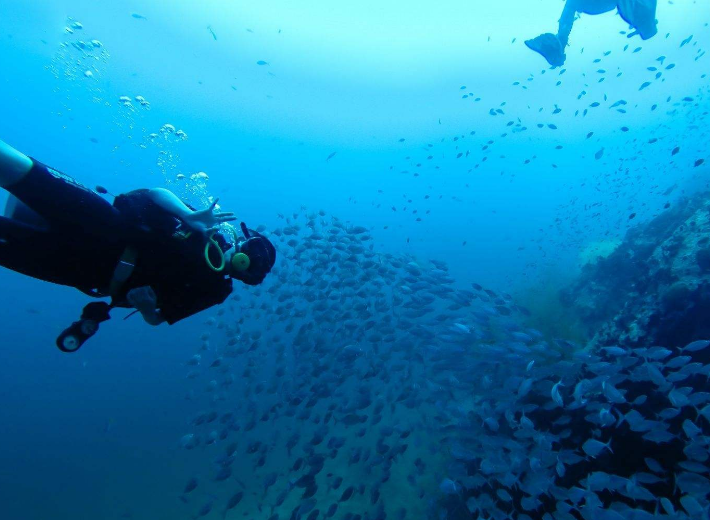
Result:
{"points": [[654, 289]]}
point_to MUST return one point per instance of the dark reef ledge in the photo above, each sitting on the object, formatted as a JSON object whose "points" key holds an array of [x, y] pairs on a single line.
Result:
{"points": [[654, 289]]}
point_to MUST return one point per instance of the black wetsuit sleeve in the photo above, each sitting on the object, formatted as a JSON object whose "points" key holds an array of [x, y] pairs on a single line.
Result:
{"points": [[138, 208], [179, 302]]}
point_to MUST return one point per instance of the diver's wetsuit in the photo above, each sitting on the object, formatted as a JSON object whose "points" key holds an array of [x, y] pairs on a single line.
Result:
{"points": [[80, 239]]}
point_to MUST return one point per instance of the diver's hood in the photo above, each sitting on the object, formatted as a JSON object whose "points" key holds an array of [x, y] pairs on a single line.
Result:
{"points": [[261, 253], [641, 15]]}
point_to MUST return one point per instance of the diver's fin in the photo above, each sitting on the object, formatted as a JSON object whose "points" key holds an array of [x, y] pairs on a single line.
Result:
{"points": [[549, 47], [641, 15]]}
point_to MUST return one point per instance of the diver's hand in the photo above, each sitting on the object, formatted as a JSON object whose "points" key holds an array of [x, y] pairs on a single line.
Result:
{"points": [[145, 301], [142, 298], [207, 221]]}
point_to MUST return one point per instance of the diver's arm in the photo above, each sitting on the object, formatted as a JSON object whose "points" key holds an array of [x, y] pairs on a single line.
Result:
{"points": [[13, 165], [205, 221], [167, 200]]}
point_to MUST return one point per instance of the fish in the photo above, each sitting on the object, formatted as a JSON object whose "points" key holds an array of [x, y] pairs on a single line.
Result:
{"points": [[191, 485], [347, 494], [555, 393], [449, 487], [204, 510], [233, 502], [696, 346], [593, 447]]}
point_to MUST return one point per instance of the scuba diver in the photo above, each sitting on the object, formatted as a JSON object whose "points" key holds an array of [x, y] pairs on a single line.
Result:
{"points": [[639, 14], [148, 250]]}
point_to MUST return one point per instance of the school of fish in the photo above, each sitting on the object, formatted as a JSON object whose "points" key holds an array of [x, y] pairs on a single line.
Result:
{"points": [[362, 385]]}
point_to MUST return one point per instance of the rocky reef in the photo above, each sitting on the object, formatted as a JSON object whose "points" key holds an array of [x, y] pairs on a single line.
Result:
{"points": [[654, 289]]}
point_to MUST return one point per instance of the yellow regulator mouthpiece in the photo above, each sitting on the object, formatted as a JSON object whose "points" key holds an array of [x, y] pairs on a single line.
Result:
{"points": [[240, 262]]}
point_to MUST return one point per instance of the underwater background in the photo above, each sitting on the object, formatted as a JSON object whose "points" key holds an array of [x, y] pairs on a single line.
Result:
{"points": [[369, 139]]}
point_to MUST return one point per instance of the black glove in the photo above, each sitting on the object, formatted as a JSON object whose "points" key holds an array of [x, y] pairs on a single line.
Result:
{"points": [[96, 311]]}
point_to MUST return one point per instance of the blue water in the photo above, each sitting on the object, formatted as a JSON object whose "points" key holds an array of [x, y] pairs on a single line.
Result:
{"points": [[97, 434]]}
